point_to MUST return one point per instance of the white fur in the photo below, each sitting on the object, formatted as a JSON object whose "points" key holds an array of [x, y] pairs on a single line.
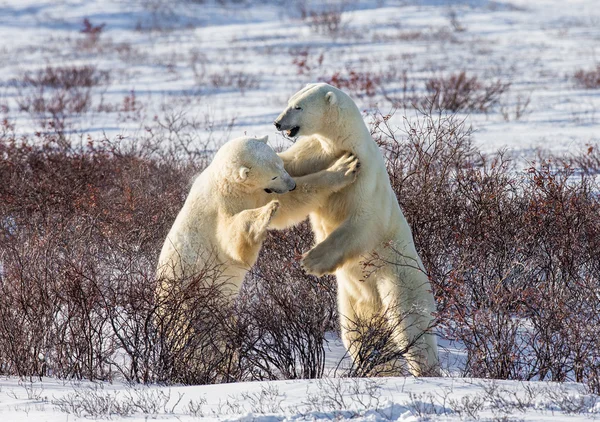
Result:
{"points": [[227, 212], [361, 234]]}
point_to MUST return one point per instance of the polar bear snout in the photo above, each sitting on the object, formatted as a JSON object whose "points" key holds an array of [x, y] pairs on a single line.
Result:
{"points": [[287, 122], [282, 184]]}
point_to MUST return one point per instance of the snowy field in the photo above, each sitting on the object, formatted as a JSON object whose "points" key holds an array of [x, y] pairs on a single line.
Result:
{"points": [[374, 399], [229, 69], [223, 69]]}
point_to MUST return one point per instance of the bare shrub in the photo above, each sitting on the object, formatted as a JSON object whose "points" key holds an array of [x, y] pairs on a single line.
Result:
{"points": [[324, 19], [66, 77], [468, 406], [336, 394], [198, 332], [59, 91], [97, 402], [91, 34], [510, 253], [589, 79], [459, 92], [235, 79], [570, 403], [454, 21], [374, 345], [305, 62], [93, 402], [361, 83], [196, 407], [519, 108], [587, 161], [268, 400], [80, 231], [365, 83], [425, 404], [285, 313]]}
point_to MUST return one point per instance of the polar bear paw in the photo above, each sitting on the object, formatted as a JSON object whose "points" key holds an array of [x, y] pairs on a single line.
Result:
{"points": [[261, 224], [345, 170], [316, 263], [270, 210]]}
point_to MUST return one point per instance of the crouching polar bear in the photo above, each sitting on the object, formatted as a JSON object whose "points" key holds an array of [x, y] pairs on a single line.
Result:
{"points": [[230, 206], [361, 233]]}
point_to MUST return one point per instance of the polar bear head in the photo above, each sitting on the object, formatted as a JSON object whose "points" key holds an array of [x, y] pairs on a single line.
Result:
{"points": [[316, 109], [252, 165]]}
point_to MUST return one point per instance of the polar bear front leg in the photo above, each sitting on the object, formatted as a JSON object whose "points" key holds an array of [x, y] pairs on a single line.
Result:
{"points": [[242, 236], [306, 156], [341, 173], [258, 219], [343, 244], [313, 189]]}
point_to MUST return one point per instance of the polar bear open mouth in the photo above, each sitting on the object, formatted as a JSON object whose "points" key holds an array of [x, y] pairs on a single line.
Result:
{"points": [[293, 131]]}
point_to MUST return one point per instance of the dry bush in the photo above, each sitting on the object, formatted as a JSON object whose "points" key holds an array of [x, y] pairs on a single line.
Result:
{"points": [[235, 79], [360, 83], [324, 19], [66, 77], [286, 313], [198, 332], [587, 162], [364, 83], [225, 78], [589, 79], [82, 226], [376, 352], [512, 255], [305, 62], [59, 91], [91, 35], [459, 92], [520, 108], [455, 93], [96, 402]]}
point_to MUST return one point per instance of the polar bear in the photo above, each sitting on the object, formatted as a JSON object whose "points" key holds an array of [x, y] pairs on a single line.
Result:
{"points": [[361, 234], [224, 220]]}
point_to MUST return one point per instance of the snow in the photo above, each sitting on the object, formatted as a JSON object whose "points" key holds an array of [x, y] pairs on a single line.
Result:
{"points": [[375, 399], [535, 45], [169, 54]]}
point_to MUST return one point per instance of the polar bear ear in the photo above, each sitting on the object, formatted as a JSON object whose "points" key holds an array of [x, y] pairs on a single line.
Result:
{"points": [[243, 173], [264, 139], [331, 98]]}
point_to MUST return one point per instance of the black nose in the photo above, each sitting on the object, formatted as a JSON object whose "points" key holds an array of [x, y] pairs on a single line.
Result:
{"points": [[277, 125]]}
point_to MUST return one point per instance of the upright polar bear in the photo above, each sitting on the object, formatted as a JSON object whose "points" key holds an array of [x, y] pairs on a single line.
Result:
{"points": [[361, 223], [230, 206]]}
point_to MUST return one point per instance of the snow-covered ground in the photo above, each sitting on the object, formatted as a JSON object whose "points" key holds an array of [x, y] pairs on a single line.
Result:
{"points": [[230, 68], [374, 399], [222, 69], [451, 398]]}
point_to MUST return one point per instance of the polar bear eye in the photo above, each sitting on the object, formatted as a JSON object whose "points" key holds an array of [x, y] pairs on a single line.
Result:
{"points": [[298, 108], [274, 178]]}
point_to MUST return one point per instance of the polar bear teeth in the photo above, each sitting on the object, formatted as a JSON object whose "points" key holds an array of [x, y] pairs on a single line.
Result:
{"points": [[293, 131]]}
